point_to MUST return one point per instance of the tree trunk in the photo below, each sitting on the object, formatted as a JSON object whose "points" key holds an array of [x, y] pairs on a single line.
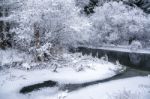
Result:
{"points": [[37, 42], [37, 36]]}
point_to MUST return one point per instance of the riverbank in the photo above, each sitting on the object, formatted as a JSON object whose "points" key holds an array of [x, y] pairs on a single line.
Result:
{"points": [[139, 59]]}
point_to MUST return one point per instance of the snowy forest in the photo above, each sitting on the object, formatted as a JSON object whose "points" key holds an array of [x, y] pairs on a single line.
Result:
{"points": [[72, 49]]}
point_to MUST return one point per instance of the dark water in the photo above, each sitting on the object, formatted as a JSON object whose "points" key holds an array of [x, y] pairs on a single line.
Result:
{"points": [[130, 72], [139, 61], [34, 87]]}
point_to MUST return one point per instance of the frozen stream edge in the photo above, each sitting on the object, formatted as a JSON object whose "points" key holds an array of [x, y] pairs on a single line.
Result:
{"points": [[129, 72]]}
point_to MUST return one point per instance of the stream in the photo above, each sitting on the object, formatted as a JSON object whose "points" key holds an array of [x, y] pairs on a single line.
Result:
{"points": [[133, 70], [130, 72]]}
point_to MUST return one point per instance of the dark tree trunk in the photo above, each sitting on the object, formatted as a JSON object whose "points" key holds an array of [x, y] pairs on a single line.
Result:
{"points": [[37, 36]]}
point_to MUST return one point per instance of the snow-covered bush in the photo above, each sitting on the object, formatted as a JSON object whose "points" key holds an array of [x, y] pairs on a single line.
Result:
{"points": [[135, 45], [14, 58], [49, 21], [56, 19], [117, 23], [43, 53]]}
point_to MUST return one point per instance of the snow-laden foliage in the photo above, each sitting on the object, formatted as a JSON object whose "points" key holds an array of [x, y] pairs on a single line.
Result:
{"points": [[82, 3], [55, 21], [135, 45], [117, 23], [36, 24], [44, 28], [13, 58]]}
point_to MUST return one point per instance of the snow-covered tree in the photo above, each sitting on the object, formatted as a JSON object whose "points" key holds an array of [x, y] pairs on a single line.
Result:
{"points": [[49, 21], [117, 23]]}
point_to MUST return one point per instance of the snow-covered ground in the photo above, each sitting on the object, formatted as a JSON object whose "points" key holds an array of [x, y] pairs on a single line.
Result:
{"points": [[130, 88], [11, 57], [75, 69], [16, 79]]}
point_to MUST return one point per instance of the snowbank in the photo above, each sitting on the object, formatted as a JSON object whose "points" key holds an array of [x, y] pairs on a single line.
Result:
{"points": [[15, 79], [68, 69], [130, 88], [13, 57], [78, 69]]}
